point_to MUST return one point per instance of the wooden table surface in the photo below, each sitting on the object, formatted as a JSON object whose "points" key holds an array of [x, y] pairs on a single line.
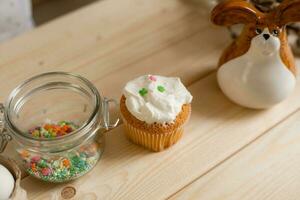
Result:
{"points": [[227, 152]]}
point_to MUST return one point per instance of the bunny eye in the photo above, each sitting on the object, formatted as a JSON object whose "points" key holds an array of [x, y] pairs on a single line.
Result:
{"points": [[258, 31], [275, 32]]}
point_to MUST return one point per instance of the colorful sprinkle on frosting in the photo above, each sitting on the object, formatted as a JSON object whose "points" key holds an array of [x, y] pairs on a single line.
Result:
{"points": [[161, 88], [156, 99], [143, 92], [152, 78]]}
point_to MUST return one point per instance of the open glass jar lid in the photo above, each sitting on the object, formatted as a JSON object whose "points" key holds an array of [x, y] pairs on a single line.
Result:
{"points": [[54, 121]]}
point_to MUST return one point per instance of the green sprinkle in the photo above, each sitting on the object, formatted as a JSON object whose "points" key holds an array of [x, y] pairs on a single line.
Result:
{"points": [[143, 92], [42, 163], [62, 123], [161, 88]]}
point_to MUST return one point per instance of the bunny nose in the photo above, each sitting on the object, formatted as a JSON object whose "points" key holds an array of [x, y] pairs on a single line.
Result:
{"points": [[266, 36]]}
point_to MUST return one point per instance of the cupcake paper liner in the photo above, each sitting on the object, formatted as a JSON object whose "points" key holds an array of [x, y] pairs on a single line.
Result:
{"points": [[155, 142]]}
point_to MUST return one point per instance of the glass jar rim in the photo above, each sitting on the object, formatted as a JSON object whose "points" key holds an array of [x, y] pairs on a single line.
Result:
{"points": [[83, 128]]}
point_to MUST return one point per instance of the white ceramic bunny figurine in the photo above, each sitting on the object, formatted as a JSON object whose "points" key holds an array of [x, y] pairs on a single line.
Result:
{"points": [[257, 70]]}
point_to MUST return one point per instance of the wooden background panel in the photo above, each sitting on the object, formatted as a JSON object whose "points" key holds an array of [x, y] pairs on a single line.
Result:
{"points": [[45, 10], [217, 130], [35, 2], [268, 169]]}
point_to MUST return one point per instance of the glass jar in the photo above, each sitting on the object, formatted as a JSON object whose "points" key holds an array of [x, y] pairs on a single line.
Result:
{"points": [[56, 122]]}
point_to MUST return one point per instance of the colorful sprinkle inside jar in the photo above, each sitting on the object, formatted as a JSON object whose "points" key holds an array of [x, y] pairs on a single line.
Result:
{"points": [[56, 122], [51, 130], [60, 167]]}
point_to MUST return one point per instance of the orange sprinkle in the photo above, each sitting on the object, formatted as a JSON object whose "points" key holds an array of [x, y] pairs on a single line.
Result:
{"points": [[65, 128], [48, 126], [24, 154], [33, 167], [66, 163], [56, 128]]}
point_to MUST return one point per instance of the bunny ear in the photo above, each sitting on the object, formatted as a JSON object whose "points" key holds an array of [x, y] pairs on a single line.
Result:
{"points": [[288, 12], [232, 12]]}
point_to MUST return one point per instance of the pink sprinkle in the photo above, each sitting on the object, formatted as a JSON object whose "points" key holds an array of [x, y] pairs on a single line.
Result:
{"points": [[35, 159], [152, 78], [46, 171]]}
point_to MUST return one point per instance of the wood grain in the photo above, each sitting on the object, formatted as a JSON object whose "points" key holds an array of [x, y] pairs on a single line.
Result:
{"points": [[110, 44], [268, 169], [114, 41], [217, 130]]}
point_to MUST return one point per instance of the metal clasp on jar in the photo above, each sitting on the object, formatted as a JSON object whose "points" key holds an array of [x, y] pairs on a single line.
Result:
{"points": [[106, 116], [4, 136]]}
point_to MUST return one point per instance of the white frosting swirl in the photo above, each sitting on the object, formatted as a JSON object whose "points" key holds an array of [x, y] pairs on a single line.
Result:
{"points": [[156, 98]]}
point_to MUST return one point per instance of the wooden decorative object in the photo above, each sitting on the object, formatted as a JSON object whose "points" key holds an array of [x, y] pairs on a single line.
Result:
{"points": [[18, 192], [257, 70], [37, 2]]}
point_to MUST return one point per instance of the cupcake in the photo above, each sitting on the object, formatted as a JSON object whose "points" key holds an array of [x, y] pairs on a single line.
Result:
{"points": [[154, 110]]}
